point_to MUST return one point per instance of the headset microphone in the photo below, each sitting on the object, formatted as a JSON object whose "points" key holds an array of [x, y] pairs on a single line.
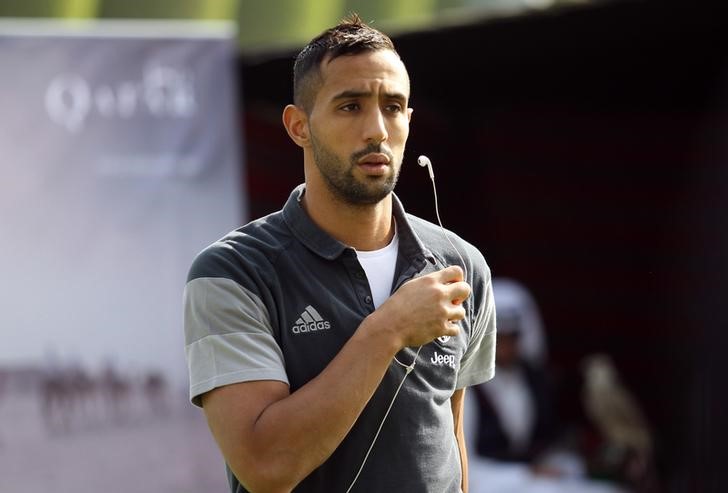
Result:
{"points": [[425, 161]]}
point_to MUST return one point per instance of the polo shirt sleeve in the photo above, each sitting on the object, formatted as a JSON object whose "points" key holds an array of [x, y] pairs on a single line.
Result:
{"points": [[478, 363], [228, 336]]}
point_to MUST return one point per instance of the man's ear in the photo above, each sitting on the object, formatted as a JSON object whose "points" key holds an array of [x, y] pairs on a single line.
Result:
{"points": [[296, 122]]}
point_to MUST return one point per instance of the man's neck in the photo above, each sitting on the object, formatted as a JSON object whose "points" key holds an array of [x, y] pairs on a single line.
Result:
{"points": [[363, 227]]}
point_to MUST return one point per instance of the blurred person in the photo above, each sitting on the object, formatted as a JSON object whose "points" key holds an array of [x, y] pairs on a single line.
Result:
{"points": [[55, 394], [155, 391], [517, 414], [517, 419], [116, 391], [329, 344]]}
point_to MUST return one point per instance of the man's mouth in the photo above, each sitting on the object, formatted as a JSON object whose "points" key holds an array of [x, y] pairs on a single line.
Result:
{"points": [[374, 159]]}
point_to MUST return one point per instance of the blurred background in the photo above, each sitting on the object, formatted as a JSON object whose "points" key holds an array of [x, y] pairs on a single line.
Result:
{"points": [[582, 145]]}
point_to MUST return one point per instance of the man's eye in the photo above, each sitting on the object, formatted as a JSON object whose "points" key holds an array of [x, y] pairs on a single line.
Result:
{"points": [[393, 108], [349, 107]]}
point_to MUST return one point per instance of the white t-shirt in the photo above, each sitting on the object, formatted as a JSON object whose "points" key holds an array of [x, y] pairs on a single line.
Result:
{"points": [[379, 268]]}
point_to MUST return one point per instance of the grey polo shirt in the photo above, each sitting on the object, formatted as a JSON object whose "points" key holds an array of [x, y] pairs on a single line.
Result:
{"points": [[278, 298]]}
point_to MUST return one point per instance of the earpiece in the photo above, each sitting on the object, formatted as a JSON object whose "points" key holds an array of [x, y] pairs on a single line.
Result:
{"points": [[425, 161]]}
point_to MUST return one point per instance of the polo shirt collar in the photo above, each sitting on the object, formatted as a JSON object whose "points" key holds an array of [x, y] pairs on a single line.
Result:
{"points": [[320, 242], [409, 243], [306, 231]]}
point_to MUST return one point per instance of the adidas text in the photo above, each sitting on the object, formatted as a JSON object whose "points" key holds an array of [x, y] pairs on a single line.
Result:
{"points": [[310, 327], [310, 321]]}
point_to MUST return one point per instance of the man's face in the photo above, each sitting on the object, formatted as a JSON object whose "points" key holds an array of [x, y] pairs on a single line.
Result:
{"points": [[359, 125]]}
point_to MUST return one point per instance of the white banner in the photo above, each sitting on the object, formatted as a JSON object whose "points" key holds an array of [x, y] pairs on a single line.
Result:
{"points": [[119, 161]]}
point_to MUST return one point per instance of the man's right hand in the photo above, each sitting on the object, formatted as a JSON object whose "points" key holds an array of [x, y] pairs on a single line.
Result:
{"points": [[425, 308]]}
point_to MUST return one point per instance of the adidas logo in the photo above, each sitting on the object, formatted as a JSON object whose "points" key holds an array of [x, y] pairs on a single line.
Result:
{"points": [[310, 321]]}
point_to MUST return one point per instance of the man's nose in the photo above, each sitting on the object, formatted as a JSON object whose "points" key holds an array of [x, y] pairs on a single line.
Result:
{"points": [[375, 128]]}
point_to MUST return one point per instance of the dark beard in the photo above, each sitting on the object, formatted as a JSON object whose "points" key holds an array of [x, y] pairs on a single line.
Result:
{"points": [[340, 179]]}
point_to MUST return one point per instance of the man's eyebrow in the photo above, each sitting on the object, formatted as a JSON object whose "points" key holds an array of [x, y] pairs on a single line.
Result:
{"points": [[396, 95], [352, 94]]}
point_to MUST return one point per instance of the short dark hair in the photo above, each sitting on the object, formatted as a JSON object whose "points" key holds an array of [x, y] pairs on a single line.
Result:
{"points": [[350, 37]]}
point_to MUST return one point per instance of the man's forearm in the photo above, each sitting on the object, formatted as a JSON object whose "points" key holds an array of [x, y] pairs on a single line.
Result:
{"points": [[297, 433], [457, 402]]}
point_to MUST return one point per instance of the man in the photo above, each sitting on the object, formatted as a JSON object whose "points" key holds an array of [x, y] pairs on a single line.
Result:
{"points": [[300, 325]]}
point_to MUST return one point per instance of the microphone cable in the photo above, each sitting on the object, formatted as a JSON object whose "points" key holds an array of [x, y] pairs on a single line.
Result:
{"points": [[423, 161]]}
